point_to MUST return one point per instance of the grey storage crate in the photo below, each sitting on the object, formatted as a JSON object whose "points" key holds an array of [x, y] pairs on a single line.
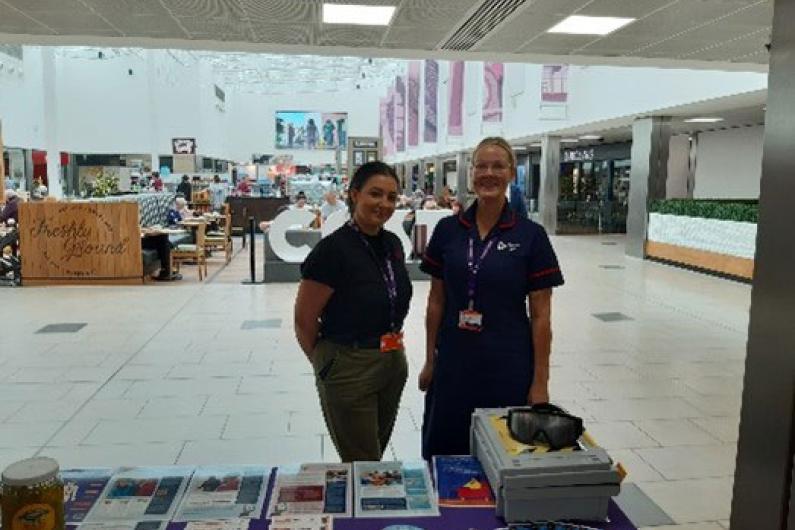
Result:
{"points": [[544, 486]]}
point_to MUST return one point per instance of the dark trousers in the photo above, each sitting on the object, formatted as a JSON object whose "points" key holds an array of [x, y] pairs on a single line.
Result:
{"points": [[359, 392], [161, 245]]}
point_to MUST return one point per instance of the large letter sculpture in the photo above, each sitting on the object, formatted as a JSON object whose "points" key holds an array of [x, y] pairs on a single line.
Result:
{"points": [[277, 235]]}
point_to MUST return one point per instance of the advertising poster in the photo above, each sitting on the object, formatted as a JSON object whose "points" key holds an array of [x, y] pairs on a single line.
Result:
{"points": [[431, 101], [142, 494], [414, 103], [554, 83], [82, 489], [224, 493], [461, 482], [400, 114], [493, 75], [312, 489], [311, 130], [455, 115], [382, 123], [394, 489]]}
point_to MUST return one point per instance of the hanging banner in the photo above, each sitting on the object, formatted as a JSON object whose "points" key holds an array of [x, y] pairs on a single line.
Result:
{"points": [[455, 115], [431, 101], [493, 75], [382, 123], [390, 120], [400, 114], [414, 104], [554, 83]]}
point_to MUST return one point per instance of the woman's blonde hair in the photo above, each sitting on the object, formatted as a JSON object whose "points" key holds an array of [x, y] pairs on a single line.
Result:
{"points": [[497, 141]]}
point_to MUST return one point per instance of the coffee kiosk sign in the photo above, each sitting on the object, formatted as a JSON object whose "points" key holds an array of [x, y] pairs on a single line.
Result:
{"points": [[80, 242]]}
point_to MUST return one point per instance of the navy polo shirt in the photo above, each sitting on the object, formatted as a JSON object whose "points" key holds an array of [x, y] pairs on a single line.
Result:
{"points": [[521, 260]]}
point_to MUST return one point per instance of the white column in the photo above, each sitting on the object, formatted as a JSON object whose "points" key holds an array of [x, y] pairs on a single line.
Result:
{"points": [[54, 185], [549, 191], [151, 75]]}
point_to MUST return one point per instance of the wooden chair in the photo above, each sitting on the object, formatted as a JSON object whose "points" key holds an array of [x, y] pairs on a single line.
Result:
{"points": [[192, 252], [221, 240]]}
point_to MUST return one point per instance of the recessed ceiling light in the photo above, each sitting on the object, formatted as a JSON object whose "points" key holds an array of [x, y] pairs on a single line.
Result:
{"points": [[357, 14], [590, 137], [569, 140], [582, 25], [703, 120]]}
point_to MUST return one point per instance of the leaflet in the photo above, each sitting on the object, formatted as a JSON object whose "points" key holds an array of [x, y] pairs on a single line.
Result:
{"points": [[394, 489], [125, 525], [461, 482], [142, 494], [82, 489], [227, 524], [312, 489], [302, 522], [224, 492]]}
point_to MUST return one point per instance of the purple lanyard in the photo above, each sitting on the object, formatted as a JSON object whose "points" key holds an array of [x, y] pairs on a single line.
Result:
{"points": [[474, 268], [387, 274]]}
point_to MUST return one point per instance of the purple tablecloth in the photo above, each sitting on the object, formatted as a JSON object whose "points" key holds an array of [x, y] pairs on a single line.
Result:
{"points": [[454, 519]]}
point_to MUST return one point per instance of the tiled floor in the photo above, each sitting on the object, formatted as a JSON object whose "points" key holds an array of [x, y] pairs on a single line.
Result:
{"points": [[168, 373]]}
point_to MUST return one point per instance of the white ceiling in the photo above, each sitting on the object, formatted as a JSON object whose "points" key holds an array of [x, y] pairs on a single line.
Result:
{"points": [[728, 34]]}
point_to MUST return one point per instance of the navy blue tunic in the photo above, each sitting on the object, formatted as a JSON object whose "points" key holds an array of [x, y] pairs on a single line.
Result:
{"points": [[493, 367]]}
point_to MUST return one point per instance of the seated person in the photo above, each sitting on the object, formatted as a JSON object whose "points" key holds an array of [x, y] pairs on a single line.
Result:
{"points": [[179, 212], [10, 211], [331, 205], [300, 201]]}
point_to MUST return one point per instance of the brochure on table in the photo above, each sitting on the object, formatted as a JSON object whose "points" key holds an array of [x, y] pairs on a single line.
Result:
{"points": [[461, 482], [125, 525], [312, 489], [82, 489], [394, 489], [302, 522], [224, 492], [141, 494]]}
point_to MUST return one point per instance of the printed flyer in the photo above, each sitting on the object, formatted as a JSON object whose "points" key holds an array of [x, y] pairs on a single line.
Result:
{"points": [[225, 492], [312, 489], [461, 482], [142, 494], [302, 522], [394, 489], [131, 525], [82, 489]]}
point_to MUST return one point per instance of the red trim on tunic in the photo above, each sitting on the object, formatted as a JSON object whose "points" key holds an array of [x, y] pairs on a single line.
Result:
{"points": [[545, 272]]}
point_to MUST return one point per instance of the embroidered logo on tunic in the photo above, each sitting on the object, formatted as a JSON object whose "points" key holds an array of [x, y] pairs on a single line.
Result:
{"points": [[510, 246]]}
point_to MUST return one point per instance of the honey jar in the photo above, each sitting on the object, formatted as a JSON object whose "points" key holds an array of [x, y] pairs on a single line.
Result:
{"points": [[32, 495]]}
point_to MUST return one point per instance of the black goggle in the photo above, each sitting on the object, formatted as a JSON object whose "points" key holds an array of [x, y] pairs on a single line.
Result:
{"points": [[545, 423]]}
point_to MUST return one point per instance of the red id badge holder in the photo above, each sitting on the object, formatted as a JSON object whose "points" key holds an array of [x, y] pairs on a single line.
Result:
{"points": [[470, 320], [391, 342]]}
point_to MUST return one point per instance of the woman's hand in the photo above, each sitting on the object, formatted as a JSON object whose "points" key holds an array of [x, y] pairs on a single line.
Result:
{"points": [[426, 376]]}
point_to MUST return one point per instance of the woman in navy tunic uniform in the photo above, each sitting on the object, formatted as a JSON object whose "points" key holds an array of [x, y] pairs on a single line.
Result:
{"points": [[488, 266]]}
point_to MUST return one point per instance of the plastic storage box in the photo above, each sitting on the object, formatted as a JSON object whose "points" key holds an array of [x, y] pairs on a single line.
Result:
{"points": [[533, 486]]}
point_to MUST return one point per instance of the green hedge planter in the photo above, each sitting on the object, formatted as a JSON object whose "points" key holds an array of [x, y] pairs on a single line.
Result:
{"points": [[741, 211]]}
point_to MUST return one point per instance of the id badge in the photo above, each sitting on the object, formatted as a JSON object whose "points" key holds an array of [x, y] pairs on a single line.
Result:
{"points": [[391, 342], [470, 320]]}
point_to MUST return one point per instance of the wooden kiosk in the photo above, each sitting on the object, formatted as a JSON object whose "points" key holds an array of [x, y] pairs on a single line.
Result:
{"points": [[78, 243]]}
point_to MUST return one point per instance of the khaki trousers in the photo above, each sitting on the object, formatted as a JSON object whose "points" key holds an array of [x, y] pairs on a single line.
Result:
{"points": [[359, 392]]}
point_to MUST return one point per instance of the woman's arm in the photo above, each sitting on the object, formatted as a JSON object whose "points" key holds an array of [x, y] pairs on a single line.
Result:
{"points": [[433, 320], [540, 303], [309, 303]]}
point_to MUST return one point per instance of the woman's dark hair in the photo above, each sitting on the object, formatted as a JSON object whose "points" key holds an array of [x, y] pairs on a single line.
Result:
{"points": [[365, 173]]}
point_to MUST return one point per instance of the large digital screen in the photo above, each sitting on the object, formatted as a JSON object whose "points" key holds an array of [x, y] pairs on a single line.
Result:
{"points": [[311, 130]]}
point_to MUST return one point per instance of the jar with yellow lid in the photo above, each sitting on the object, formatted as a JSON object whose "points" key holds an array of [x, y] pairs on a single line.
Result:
{"points": [[32, 495]]}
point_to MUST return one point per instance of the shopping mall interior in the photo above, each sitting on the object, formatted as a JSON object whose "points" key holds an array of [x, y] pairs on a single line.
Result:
{"points": [[650, 140]]}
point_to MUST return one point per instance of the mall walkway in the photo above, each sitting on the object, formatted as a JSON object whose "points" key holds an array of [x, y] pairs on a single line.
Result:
{"points": [[651, 356]]}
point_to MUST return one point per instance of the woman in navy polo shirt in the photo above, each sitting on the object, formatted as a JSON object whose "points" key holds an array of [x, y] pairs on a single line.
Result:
{"points": [[488, 265]]}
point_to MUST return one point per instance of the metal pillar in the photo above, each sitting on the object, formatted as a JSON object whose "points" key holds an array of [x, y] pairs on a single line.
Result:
{"points": [[461, 178], [549, 191], [438, 176], [763, 480], [651, 138], [151, 79]]}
